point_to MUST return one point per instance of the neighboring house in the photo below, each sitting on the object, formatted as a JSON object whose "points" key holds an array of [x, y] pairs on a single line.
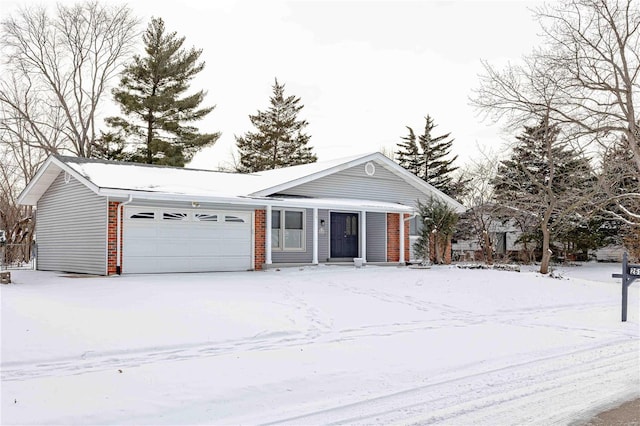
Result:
{"points": [[503, 237], [610, 253], [106, 217]]}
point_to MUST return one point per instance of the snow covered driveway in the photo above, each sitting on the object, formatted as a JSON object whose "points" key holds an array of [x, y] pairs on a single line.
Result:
{"points": [[317, 345]]}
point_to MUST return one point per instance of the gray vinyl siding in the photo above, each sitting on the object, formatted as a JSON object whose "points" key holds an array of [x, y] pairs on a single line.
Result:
{"points": [[376, 237], [355, 183], [71, 229], [306, 256]]}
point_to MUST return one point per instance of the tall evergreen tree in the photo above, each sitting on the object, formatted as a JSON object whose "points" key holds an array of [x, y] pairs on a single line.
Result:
{"points": [[437, 168], [427, 158], [279, 140], [408, 154], [153, 100], [548, 180]]}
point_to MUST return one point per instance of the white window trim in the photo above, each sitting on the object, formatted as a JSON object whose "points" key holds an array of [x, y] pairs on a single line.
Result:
{"points": [[280, 231]]}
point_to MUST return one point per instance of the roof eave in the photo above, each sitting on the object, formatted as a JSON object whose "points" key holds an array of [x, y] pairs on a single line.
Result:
{"points": [[258, 202], [45, 176]]}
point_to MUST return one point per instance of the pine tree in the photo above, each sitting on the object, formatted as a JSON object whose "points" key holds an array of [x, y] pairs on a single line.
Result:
{"points": [[546, 179], [427, 158], [437, 169], [408, 153], [152, 98], [279, 140]]}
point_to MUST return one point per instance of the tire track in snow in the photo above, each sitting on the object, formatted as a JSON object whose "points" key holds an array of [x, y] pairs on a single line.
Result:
{"points": [[556, 384], [100, 361]]}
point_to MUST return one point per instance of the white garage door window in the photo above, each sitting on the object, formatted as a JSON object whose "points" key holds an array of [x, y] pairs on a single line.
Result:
{"points": [[174, 240]]}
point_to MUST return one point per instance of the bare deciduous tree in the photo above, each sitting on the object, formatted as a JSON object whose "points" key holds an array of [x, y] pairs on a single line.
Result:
{"points": [[482, 211], [60, 67], [586, 76]]}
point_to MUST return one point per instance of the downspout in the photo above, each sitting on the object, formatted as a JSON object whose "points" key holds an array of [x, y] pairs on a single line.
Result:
{"points": [[402, 242], [410, 217], [118, 233]]}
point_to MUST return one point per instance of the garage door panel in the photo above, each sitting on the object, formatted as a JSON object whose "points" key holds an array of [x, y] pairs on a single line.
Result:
{"points": [[141, 250], [193, 242], [201, 248], [138, 231], [173, 231], [228, 263]]}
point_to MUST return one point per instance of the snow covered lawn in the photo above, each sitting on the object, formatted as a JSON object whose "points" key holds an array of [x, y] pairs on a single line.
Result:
{"points": [[319, 345]]}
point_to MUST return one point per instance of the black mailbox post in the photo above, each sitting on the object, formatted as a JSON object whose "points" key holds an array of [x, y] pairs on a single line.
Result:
{"points": [[629, 274]]}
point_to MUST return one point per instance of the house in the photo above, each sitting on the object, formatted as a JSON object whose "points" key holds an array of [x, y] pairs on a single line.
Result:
{"points": [[504, 238], [105, 217]]}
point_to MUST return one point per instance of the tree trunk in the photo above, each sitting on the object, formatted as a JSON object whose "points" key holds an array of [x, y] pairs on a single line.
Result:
{"points": [[487, 248], [546, 252], [149, 135], [436, 251]]}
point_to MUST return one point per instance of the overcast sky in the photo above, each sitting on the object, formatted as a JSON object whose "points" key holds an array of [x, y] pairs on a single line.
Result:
{"points": [[364, 69]]}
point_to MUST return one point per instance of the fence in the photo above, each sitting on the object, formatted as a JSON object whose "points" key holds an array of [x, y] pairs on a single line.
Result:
{"points": [[17, 256]]}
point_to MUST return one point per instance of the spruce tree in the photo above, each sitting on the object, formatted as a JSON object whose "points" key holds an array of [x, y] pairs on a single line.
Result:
{"points": [[279, 140], [427, 158], [156, 109], [437, 168], [548, 180], [408, 153]]}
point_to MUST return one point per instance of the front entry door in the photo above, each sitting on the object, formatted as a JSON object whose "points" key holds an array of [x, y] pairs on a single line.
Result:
{"points": [[344, 235]]}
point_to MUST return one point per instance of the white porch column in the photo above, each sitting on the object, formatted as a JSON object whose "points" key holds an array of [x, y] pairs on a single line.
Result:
{"points": [[363, 238], [267, 237], [315, 237], [401, 228]]}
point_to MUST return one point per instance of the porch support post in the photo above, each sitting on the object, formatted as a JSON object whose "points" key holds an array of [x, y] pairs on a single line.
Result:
{"points": [[315, 237], [267, 237], [401, 228], [363, 238]]}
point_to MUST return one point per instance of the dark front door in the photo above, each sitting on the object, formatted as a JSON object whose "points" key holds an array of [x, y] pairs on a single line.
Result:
{"points": [[344, 235]]}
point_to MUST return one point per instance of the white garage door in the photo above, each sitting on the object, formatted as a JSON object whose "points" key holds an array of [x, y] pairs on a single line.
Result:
{"points": [[173, 240]]}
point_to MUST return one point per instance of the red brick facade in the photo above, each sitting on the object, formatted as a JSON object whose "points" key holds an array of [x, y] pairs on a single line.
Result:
{"points": [[393, 238], [260, 232], [112, 237]]}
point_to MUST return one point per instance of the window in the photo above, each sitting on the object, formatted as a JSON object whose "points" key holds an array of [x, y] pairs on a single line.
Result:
{"points": [[287, 229], [351, 226], [143, 215], [206, 217], [233, 219], [174, 216], [275, 229]]}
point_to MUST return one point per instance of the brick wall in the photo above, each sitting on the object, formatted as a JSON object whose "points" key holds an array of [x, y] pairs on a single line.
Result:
{"points": [[260, 231], [393, 238], [112, 238]]}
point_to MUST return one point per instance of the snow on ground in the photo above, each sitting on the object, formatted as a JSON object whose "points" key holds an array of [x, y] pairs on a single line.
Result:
{"points": [[318, 345]]}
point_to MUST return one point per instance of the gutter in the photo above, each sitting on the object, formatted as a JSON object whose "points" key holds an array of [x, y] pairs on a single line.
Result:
{"points": [[119, 232], [258, 201]]}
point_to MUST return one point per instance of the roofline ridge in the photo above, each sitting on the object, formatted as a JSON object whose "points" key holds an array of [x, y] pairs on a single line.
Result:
{"points": [[72, 159]]}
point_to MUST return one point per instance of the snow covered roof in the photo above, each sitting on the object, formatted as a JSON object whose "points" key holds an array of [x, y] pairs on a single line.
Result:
{"points": [[120, 179]]}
